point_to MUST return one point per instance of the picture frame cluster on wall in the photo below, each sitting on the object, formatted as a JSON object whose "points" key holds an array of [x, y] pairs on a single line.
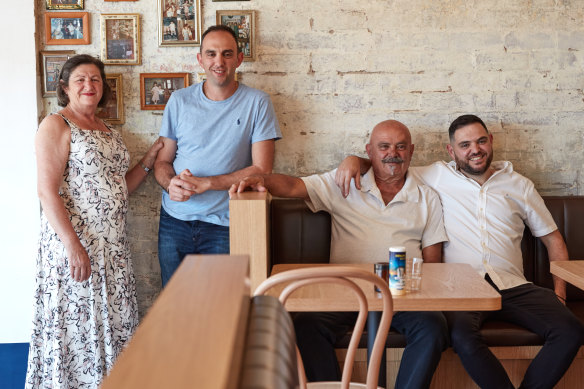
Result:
{"points": [[179, 22], [156, 88]]}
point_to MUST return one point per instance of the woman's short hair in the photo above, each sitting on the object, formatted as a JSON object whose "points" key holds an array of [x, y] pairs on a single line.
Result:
{"points": [[68, 68]]}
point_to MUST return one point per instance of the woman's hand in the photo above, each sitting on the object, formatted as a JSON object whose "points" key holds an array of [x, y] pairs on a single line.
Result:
{"points": [[137, 175], [150, 157], [79, 263]]}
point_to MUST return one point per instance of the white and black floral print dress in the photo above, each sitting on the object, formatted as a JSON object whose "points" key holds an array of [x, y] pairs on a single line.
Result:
{"points": [[80, 328]]}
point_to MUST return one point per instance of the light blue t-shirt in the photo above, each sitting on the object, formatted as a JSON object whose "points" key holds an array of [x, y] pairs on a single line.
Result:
{"points": [[214, 137]]}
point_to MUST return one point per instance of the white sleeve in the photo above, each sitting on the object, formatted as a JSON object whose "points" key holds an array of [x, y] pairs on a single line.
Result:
{"points": [[538, 217], [434, 231], [322, 191]]}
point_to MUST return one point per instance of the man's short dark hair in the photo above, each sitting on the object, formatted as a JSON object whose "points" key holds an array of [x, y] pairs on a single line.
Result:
{"points": [[463, 121], [219, 27], [68, 68]]}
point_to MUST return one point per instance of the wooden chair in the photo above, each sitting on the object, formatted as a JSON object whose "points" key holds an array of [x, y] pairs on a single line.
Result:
{"points": [[344, 276]]}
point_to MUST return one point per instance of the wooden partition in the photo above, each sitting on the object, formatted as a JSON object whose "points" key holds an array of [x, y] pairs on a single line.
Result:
{"points": [[249, 232], [194, 334]]}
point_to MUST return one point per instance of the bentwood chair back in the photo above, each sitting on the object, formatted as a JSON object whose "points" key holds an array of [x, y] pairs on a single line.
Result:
{"points": [[344, 276]]}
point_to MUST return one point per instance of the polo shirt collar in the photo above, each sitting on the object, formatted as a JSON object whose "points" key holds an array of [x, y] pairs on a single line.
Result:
{"points": [[408, 193]]}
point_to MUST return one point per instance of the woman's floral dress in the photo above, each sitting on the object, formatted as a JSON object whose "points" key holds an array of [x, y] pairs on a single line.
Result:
{"points": [[79, 328]]}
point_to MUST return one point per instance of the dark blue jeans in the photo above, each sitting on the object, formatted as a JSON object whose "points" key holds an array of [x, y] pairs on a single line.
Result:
{"points": [[530, 306], [426, 334], [178, 238]]}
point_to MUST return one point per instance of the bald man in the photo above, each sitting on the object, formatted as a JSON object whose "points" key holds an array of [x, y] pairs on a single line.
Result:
{"points": [[390, 209]]}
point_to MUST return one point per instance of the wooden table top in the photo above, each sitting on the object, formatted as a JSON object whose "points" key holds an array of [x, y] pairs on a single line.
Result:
{"points": [[445, 287], [569, 271], [193, 334]]}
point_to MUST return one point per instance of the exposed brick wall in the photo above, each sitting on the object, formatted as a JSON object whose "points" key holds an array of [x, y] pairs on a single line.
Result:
{"points": [[334, 68]]}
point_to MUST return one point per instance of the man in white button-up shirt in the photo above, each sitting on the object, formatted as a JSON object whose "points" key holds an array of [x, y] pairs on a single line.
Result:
{"points": [[485, 208], [391, 208]]}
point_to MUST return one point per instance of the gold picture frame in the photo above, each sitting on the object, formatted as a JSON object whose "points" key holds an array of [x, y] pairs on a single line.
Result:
{"points": [[51, 64], [156, 88], [120, 39], [64, 4], [179, 22], [67, 28], [242, 22], [113, 112]]}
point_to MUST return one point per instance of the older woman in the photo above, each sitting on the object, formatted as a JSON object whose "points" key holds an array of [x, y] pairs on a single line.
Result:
{"points": [[85, 299]]}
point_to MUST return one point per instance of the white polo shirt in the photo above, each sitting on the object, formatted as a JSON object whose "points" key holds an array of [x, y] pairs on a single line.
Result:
{"points": [[485, 223], [363, 227]]}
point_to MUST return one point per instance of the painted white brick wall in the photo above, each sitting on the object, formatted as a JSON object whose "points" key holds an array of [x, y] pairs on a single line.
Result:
{"points": [[334, 68]]}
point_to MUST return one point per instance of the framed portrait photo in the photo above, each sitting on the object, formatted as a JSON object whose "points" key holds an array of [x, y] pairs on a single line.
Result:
{"points": [[64, 4], [67, 28], [120, 39], [51, 64], [156, 88], [179, 22], [113, 112], [242, 22]]}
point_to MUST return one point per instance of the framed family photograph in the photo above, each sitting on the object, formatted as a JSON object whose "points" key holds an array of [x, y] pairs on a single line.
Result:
{"points": [[243, 23], [64, 4], [179, 22], [67, 28], [113, 112], [51, 64], [156, 88], [120, 39]]}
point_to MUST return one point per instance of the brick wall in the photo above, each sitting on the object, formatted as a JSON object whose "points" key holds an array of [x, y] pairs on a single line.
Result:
{"points": [[334, 68]]}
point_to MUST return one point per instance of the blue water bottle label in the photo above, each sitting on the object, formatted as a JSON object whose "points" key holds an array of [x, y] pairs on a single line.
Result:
{"points": [[397, 270]]}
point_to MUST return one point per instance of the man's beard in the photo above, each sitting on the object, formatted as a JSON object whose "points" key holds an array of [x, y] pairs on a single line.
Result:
{"points": [[465, 166]]}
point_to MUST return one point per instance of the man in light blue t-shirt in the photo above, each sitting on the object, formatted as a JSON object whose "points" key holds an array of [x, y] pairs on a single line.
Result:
{"points": [[215, 133]]}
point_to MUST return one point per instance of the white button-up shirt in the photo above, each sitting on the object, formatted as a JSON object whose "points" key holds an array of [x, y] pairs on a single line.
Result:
{"points": [[485, 223], [364, 227]]}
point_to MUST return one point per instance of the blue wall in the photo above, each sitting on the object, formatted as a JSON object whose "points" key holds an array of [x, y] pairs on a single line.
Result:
{"points": [[13, 360]]}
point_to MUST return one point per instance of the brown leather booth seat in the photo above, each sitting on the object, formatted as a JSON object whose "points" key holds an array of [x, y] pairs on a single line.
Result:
{"points": [[300, 236]]}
